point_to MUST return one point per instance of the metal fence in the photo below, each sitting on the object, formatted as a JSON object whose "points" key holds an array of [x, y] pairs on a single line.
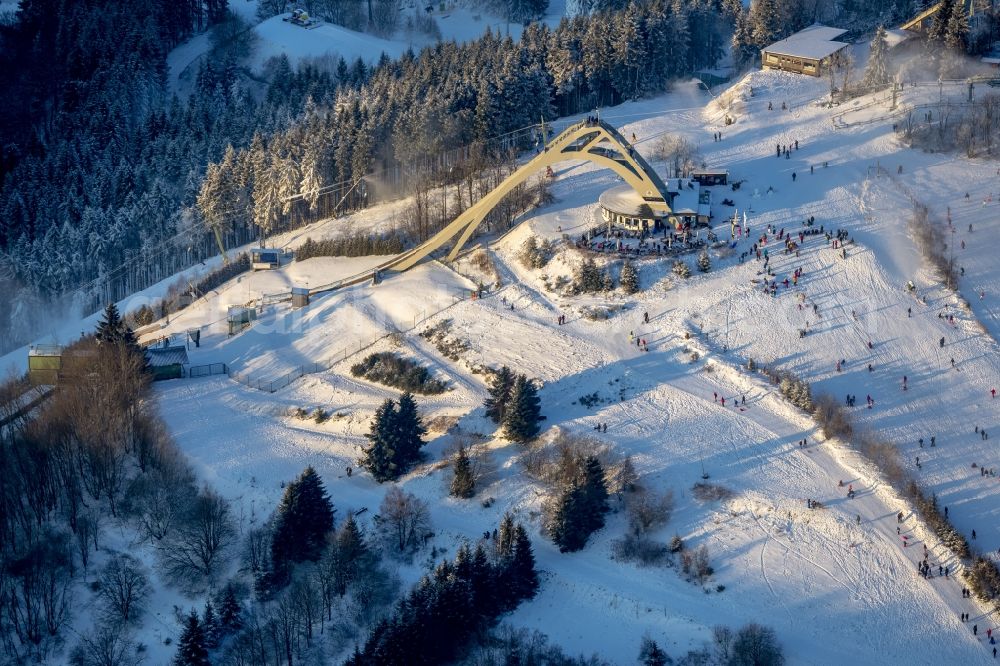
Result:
{"points": [[208, 370]]}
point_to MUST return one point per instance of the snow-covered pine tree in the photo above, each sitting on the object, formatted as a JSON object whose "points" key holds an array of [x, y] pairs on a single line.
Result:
{"points": [[939, 24], [380, 455], [410, 431], [651, 654], [349, 556], [499, 394], [704, 262], [210, 626], [956, 35], [230, 611], [302, 521], [877, 69], [111, 329], [764, 22], [629, 278], [463, 483], [520, 422], [681, 269], [191, 649]]}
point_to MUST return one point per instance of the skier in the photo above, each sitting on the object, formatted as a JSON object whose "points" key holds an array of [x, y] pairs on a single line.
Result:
{"points": [[645, 317], [796, 144], [793, 176], [909, 312]]}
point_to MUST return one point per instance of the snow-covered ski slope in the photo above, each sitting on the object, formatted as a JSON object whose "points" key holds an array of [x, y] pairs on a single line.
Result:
{"points": [[833, 589]]}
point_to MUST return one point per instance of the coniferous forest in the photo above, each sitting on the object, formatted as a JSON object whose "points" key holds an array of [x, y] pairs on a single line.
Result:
{"points": [[109, 182]]}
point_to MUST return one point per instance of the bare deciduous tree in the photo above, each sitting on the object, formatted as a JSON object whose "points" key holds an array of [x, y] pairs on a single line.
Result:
{"points": [[107, 645], [648, 509], [199, 544], [123, 589], [404, 520]]}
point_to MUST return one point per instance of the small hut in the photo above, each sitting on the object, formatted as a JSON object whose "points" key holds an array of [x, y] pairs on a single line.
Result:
{"points": [[167, 362]]}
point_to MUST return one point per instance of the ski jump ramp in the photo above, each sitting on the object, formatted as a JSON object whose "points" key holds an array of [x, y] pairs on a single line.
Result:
{"points": [[588, 140]]}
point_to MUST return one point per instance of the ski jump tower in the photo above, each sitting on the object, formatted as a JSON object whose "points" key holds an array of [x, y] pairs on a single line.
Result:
{"points": [[589, 140]]}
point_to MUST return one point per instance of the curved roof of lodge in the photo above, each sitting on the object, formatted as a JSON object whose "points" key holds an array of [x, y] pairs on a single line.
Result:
{"points": [[624, 200]]}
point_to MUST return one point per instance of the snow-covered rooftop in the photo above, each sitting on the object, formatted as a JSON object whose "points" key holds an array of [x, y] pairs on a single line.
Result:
{"points": [[815, 42], [624, 200]]}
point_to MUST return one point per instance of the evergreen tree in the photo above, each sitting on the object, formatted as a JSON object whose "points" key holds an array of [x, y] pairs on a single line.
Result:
{"points": [[210, 626], [410, 431], [877, 72], [521, 570], [957, 31], [499, 394], [380, 456], [191, 645], [704, 262], [681, 269], [629, 278], [568, 529], [304, 518], [939, 24], [595, 490], [580, 509], [764, 22], [521, 420], [230, 612], [652, 654], [113, 330], [463, 484], [349, 556]]}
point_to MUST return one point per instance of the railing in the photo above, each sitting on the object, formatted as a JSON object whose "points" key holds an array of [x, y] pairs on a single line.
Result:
{"points": [[207, 370], [270, 385]]}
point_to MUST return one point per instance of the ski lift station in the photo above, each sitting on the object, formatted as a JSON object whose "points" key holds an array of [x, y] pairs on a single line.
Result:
{"points": [[809, 51]]}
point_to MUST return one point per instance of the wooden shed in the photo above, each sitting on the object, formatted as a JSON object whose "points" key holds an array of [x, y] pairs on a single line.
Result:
{"points": [[809, 51]]}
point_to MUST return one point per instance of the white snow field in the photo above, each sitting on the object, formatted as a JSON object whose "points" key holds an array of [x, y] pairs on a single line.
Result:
{"points": [[834, 589]]}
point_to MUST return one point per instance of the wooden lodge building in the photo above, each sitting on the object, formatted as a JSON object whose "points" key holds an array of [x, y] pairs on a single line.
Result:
{"points": [[809, 51]]}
